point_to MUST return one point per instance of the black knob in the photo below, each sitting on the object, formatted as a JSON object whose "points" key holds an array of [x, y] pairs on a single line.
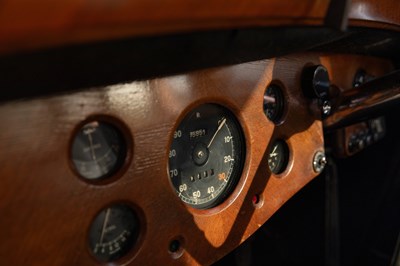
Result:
{"points": [[315, 82]]}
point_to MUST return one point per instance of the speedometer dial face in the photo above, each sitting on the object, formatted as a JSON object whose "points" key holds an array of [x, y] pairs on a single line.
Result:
{"points": [[206, 156]]}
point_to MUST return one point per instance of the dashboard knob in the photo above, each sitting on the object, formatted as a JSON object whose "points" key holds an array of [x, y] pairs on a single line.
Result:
{"points": [[315, 82]]}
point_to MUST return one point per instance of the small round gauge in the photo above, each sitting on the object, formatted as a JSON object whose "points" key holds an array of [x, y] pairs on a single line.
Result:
{"points": [[273, 103], [98, 150], [206, 156], [278, 157], [113, 233]]}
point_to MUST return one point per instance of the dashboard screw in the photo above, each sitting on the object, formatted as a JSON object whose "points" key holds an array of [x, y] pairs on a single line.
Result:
{"points": [[319, 161]]}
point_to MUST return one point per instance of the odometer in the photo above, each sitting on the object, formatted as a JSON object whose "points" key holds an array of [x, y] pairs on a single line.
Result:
{"points": [[206, 156]]}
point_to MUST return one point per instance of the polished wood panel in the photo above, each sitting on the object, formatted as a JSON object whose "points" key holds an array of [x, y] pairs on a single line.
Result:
{"points": [[26, 25], [343, 80], [46, 209], [373, 12]]}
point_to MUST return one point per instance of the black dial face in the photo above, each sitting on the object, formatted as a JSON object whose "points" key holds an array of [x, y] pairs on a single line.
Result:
{"points": [[278, 157], [98, 150], [113, 233], [273, 103], [206, 156]]}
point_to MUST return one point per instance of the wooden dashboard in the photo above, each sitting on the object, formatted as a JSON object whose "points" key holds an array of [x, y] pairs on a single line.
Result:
{"points": [[27, 25], [142, 66], [47, 208]]}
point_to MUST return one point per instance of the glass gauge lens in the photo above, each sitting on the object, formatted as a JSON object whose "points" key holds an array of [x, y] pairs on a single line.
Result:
{"points": [[206, 156], [273, 103], [278, 157], [98, 150], [113, 233]]}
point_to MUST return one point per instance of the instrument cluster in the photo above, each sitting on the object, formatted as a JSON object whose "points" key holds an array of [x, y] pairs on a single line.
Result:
{"points": [[187, 165], [206, 160]]}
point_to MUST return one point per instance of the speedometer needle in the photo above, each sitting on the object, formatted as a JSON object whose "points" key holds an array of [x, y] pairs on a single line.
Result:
{"points": [[216, 132]]}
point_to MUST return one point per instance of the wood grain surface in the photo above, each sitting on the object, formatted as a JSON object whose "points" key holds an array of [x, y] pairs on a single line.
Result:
{"points": [[46, 209], [27, 25], [343, 80]]}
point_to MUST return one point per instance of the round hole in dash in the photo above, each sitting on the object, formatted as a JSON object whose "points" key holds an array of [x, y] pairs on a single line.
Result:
{"points": [[175, 247], [256, 199]]}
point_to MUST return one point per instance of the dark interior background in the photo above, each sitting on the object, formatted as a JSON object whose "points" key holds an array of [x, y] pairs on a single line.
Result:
{"points": [[369, 213]]}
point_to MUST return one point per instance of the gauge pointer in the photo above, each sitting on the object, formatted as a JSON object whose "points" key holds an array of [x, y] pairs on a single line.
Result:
{"points": [[269, 99], [273, 153], [216, 132], [91, 146], [104, 225]]}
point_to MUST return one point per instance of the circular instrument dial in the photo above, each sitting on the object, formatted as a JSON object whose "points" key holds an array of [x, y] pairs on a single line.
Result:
{"points": [[206, 156], [113, 233], [273, 103], [98, 150], [278, 157]]}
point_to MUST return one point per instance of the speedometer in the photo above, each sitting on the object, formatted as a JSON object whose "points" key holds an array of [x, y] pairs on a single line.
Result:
{"points": [[206, 156]]}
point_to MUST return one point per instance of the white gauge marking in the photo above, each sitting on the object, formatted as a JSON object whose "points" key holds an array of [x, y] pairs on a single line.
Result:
{"points": [[91, 145], [104, 225], [273, 153], [216, 132], [269, 99]]}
